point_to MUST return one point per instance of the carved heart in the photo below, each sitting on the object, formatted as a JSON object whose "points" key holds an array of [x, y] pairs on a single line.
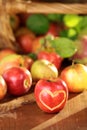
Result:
{"points": [[53, 100]]}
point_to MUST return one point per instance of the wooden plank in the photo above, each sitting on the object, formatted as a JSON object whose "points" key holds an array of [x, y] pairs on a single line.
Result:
{"points": [[73, 106], [32, 7], [17, 102]]}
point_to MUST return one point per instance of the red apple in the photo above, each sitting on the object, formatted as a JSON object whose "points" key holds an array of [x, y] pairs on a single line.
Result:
{"points": [[81, 54], [3, 88], [6, 52], [10, 61], [75, 77], [36, 46], [18, 80], [25, 42], [42, 43], [53, 57], [24, 30], [28, 62], [51, 96], [53, 29]]}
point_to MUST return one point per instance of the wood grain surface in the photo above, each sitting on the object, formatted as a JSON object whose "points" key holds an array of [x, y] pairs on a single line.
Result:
{"points": [[36, 7], [29, 116]]}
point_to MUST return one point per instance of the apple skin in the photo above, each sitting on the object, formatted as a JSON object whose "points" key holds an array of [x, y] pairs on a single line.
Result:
{"points": [[53, 29], [53, 57], [5, 52], [51, 96], [25, 42], [18, 80], [36, 46], [24, 30], [75, 76], [28, 62], [3, 88], [43, 69], [81, 54], [10, 61]]}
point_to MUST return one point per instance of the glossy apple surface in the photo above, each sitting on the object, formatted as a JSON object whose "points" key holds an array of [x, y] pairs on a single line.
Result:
{"points": [[3, 88], [43, 69], [28, 62], [24, 30], [75, 77], [25, 42], [18, 80], [53, 29], [6, 52], [81, 54], [52, 57], [51, 96], [10, 61], [36, 46]]}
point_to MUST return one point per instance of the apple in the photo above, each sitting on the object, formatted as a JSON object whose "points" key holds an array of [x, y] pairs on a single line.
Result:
{"points": [[25, 42], [42, 43], [10, 61], [36, 46], [28, 61], [81, 54], [51, 96], [18, 80], [53, 57], [75, 76], [5, 52], [3, 88], [43, 69], [53, 29], [24, 30]]}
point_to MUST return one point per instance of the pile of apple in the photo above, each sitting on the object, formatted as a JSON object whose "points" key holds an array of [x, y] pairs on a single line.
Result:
{"points": [[41, 62], [15, 78]]}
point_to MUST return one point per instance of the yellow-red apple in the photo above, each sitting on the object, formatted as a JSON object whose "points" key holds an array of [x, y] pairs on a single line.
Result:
{"points": [[43, 69], [75, 77]]}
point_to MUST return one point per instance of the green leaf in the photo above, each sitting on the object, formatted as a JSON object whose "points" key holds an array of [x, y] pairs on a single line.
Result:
{"points": [[83, 23], [69, 33], [33, 56], [64, 47], [55, 17], [71, 20], [38, 23]]}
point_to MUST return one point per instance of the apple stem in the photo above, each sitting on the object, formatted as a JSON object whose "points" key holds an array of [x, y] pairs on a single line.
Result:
{"points": [[73, 62]]}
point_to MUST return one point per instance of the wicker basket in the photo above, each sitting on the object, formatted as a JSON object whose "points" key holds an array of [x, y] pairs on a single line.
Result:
{"points": [[7, 39], [7, 7]]}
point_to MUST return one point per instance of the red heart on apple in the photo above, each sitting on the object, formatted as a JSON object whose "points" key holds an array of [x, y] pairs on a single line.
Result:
{"points": [[57, 99], [51, 96]]}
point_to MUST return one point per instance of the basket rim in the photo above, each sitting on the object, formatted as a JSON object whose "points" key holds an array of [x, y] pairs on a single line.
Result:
{"points": [[44, 7]]}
